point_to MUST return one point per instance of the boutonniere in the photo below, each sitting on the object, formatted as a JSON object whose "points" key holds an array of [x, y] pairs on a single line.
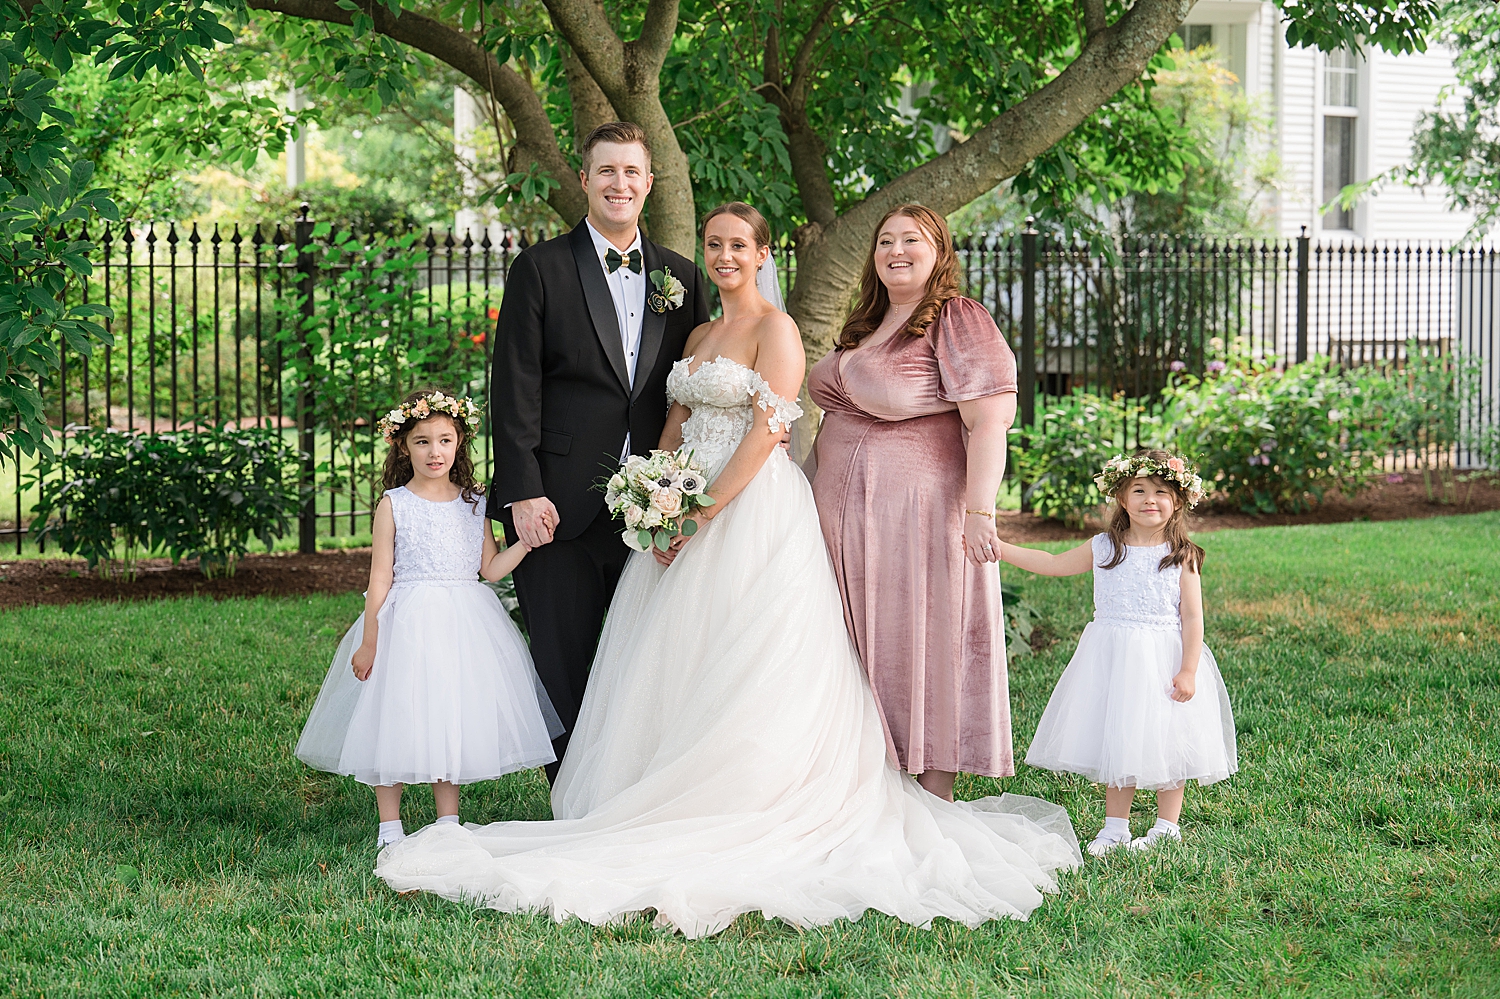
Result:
{"points": [[669, 293]]}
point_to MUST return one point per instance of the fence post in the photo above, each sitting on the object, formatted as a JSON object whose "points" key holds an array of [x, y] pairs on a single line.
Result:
{"points": [[1304, 245], [307, 521], [1028, 337]]}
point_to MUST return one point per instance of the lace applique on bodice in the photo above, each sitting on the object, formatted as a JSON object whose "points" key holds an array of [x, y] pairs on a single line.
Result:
{"points": [[1134, 593], [436, 542], [721, 394]]}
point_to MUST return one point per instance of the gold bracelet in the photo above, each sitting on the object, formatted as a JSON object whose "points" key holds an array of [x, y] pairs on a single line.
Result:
{"points": [[981, 513]]}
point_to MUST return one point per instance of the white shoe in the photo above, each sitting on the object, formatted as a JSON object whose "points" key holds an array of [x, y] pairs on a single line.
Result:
{"points": [[1103, 843], [1154, 838], [381, 842]]}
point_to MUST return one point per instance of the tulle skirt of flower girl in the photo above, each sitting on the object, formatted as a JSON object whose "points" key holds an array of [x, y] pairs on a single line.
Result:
{"points": [[1112, 719], [453, 695]]}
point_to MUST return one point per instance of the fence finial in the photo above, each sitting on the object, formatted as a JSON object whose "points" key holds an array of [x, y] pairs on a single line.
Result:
{"points": [[1030, 229], [303, 214]]}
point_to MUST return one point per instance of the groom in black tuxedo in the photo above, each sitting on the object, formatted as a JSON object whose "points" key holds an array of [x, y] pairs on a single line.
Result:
{"points": [[582, 351]]}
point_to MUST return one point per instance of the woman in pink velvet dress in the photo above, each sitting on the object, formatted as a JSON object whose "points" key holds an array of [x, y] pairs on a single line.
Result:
{"points": [[918, 397]]}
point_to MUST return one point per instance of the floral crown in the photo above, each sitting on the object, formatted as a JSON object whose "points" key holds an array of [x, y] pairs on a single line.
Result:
{"points": [[465, 409], [1122, 468]]}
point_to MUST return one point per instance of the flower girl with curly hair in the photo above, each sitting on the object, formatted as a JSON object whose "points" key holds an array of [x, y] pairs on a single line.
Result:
{"points": [[1141, 704], [433, 684]]}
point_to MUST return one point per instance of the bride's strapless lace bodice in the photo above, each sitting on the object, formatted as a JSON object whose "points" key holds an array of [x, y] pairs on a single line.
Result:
{"points": [[1134, 593], [721, 395]]}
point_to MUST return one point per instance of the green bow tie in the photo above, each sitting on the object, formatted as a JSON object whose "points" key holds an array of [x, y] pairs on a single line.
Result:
{"points": [[613, 260]]}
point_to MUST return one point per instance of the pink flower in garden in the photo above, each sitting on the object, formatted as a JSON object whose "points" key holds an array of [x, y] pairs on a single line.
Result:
{"points": [[1394, 480], [1178, 365], [1214, 367]]}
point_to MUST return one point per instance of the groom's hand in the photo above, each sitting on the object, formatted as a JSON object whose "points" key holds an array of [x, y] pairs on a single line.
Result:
{"points": [[535, 519]]}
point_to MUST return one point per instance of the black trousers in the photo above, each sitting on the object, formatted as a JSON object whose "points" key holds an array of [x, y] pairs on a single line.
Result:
{"points": [[565, 588]]}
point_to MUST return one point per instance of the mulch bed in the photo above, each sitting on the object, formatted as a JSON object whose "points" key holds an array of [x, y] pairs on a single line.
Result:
{"points": [[68, 581], [27, 582]]}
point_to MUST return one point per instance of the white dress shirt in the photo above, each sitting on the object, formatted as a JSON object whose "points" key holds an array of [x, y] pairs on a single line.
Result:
{"points": [[628, 290]]}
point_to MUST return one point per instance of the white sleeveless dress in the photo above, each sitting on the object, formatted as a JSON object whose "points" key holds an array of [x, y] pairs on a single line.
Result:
{"points": [[453, 694], [1111, 716], [729, 756]]}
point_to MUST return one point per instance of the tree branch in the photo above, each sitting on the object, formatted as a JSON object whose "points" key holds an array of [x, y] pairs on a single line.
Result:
{"points": [[590, 107], [584, 24], [1094, 21], [803, 58], [1000, 149], [805, 148], [1110, 60], [536, 141], [657, 31]]}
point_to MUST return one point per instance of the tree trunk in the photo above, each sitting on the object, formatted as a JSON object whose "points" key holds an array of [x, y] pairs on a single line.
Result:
{"points": [[590, 107], [629, 75]]}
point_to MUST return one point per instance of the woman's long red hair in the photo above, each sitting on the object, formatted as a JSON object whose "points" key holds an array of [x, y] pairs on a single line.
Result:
{"points": [[875, 301]]}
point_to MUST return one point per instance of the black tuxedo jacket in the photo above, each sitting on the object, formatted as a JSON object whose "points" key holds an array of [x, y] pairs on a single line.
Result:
{"points": [[560, 395]]}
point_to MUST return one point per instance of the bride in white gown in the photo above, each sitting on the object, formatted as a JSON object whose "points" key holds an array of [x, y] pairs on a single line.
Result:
{"points": [[729, 756]]}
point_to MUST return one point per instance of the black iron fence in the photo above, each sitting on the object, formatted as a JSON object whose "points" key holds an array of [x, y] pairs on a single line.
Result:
{"points": [[317, 331]]}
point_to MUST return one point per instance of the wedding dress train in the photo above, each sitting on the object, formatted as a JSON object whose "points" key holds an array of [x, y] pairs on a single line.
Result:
{"points": [[729, 756]]}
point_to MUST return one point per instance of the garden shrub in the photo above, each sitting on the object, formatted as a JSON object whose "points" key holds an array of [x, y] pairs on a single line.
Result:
{"points": [[192, 494], [1273, 440], [1058, 458]]}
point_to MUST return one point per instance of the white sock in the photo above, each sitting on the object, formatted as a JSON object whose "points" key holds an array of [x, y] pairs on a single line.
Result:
{"points": [[1168, 828], [390, 832], [1116, 828], [453, 819]]}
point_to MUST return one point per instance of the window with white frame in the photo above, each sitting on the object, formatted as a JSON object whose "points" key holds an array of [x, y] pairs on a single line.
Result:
{"points": [[1195, 35], [1340, 132]]}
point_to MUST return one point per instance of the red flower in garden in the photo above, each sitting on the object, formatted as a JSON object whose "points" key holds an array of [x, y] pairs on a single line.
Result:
{"points": [[492, 312], [478, 339]]}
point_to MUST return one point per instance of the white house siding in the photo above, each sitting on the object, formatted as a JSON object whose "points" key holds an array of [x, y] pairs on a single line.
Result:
{"points": [[1394, 90]]}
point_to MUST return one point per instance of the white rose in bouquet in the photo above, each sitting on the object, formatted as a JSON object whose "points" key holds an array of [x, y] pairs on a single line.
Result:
{"points": [[667, 502]]}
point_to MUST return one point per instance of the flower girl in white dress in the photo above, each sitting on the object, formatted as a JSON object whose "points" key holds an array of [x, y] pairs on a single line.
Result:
{"points": [[1141, 704], [433, 684]]}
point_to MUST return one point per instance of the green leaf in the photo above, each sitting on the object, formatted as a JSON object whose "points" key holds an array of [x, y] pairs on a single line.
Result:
{"points": [[643, 538], [663, 541], [689, 528]]}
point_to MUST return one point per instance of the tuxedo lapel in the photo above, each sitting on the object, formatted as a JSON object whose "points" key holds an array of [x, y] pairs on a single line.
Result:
{"points": [[601, 304], [653, 323]]}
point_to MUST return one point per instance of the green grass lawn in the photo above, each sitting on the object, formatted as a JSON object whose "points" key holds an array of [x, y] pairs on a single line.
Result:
{"points": [[159, 838]]}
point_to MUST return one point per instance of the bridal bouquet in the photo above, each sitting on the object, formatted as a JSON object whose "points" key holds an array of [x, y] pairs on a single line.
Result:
{"points": [[657, 497]]}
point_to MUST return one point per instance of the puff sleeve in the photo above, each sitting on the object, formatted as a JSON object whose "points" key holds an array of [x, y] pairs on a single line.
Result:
{"points": [[974, 361]]}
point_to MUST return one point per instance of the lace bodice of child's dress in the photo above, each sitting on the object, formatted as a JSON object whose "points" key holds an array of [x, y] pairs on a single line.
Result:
{"points": [[1134, 593], [436, 542], [721, 394]]}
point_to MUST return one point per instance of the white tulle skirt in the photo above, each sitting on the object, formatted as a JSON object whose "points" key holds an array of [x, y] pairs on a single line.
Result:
{"points": [[453, 695], [1112, 719], [729, 758]]}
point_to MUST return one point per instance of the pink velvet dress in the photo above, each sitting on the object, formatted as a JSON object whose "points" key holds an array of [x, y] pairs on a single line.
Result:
{"points": [[891, 472]]}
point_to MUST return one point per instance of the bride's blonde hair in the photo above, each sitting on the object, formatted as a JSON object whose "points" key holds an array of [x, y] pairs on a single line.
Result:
{"points": [[759, 227]]}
